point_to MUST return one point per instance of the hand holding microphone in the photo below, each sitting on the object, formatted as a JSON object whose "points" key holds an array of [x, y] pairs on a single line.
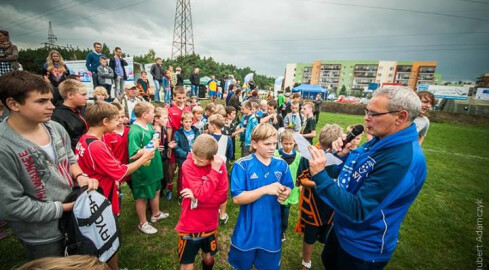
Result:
{"points": [[342, 145]]}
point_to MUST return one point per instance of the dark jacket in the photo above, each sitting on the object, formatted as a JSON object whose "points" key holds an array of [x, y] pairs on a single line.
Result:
{"points": [[195, 79], [183, 148], [73, 120], [234, 101], [157, 72], [123, 64], [179, 79]]}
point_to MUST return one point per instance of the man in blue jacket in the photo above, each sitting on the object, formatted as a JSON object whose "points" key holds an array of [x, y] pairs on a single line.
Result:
{"points": [[376, 185], [93, 61]]}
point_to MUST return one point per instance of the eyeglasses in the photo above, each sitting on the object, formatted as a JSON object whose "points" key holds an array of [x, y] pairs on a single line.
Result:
{"points": [[370, 114]]}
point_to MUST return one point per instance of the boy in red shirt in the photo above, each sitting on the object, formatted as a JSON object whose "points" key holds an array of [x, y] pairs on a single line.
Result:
{"points": [[98, 162], [96, 158], [175, 111], [205, 188]]}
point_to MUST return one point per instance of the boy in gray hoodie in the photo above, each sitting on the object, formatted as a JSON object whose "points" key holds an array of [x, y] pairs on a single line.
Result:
{"points": [[37, 166]]}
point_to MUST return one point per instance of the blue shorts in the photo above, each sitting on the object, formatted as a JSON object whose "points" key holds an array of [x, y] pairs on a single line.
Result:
{"points": [[212, 93], [263, 260]]}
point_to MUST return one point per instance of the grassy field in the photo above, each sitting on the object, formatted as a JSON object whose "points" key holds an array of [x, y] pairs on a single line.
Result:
{"points": [[439, 231]]}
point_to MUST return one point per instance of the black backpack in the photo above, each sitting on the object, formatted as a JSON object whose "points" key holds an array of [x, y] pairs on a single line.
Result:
{"points": [[91, 228]]}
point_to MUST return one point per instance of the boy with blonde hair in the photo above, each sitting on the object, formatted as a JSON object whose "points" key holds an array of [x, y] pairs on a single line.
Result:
{"points": [[293, 159], [205, 187], [356, 141], [146, 180], [315, 215], [71, 113], [259, 183], [100, 94], [197, 112]]}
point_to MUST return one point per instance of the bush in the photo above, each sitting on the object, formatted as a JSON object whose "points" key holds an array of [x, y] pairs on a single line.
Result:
{"points": [[347, 108]]}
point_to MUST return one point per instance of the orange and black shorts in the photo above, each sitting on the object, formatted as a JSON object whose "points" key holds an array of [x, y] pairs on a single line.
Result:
{"points": [[190, 243]]}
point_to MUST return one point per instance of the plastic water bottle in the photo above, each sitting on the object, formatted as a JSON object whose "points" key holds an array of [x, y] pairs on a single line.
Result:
{"points": [[149, 146]]}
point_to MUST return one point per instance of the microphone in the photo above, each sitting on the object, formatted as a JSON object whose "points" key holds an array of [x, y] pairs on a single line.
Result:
{"points": [[357, 130]]}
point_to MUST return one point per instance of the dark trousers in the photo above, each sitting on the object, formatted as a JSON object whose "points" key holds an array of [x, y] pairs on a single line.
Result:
{"points": [[336, 258], [284, 212], [54, 249], [316, 116]]}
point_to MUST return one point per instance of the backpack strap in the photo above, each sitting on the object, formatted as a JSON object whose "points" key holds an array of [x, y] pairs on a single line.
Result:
{"points": [[108, 244], [94, 216]]}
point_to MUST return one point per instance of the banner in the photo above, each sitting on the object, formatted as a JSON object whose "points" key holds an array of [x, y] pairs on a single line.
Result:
{"points": [[277, 85], [248, 77], [77, 67]]}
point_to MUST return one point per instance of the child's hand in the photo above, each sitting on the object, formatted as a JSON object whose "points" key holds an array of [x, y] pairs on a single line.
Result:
{"points": [[216, 163], [274, 189], [284, 195], [148, 154], [172, 144], [161, 148], [188, 194], [137, 155]]}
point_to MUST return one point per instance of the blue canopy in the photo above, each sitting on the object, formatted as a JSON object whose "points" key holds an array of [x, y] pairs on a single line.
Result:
{"points": [[310, 91]]}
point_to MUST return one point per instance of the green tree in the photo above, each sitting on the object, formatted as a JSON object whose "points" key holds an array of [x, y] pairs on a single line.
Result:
{"points": [[343, 90]]}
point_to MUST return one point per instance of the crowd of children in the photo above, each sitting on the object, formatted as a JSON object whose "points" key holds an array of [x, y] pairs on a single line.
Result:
{"points": [[201, 143]]}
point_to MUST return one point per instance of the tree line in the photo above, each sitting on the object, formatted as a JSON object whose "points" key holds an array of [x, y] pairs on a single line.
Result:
{"points": [[33, 60]]}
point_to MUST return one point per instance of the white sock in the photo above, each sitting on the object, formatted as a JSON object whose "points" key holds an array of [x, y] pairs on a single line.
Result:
{"points": [[308, 265]]}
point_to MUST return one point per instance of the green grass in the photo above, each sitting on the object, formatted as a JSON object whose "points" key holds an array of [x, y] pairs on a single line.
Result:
{"points": [[438, 232]]}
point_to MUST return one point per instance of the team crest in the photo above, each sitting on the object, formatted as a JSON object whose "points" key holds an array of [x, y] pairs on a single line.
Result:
{"points": [[278, 175]]}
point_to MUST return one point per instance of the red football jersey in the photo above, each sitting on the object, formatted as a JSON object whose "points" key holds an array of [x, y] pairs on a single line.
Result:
{"points": [[97, 160]]}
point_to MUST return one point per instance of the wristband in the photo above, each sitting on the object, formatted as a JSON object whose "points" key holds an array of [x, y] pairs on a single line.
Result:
{"points": [[80, 174]]}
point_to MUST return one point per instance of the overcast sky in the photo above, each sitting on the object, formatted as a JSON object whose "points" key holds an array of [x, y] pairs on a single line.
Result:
{"points": [[267, 34]]}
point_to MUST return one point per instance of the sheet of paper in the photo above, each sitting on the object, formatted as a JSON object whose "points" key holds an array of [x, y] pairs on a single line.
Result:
{"points": [[302, 144]]}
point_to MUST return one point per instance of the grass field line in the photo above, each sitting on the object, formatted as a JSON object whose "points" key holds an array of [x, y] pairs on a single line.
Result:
{"points": [[455, 154]]}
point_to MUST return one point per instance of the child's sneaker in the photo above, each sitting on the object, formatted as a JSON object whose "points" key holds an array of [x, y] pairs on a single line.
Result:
{"points": [[161, 215], [224, 220], [283, 237], [168, 195], [147, 228]]}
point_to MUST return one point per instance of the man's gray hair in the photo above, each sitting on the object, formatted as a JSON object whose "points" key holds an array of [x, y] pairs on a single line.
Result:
{"points": [[401, 98]]}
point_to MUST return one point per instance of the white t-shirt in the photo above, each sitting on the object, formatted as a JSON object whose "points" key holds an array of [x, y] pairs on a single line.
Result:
{"points": [[422, 125]]}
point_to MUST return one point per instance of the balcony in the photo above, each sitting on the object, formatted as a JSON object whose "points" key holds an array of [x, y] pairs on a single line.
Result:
{"points": [[330, 74], [366, 67], [404, 68], [365, 74], [427, 70], [330, 67], [402, 77]]}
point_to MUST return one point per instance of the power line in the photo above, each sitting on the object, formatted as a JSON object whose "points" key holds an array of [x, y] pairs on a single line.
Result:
{"points": [[87, 17], [398, 9], [46, 12]]}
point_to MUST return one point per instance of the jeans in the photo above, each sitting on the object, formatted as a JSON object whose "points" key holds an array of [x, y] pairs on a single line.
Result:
{"points": [[194, 90], [157, 90], [95, 79], [119, 86], [167, 96], [53, 249]]}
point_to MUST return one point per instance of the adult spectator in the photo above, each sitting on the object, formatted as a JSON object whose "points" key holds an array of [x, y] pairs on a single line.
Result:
{"points": [[254, 97], [234, 100], [173, 77], [8, 54], [422, 122], [55, 72], [376, 185], [194, 83], [93, 61], [129, 100], [223, 86], [317, 106], [230, 93], [157, 71], [118, 64], [179, 76]]}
